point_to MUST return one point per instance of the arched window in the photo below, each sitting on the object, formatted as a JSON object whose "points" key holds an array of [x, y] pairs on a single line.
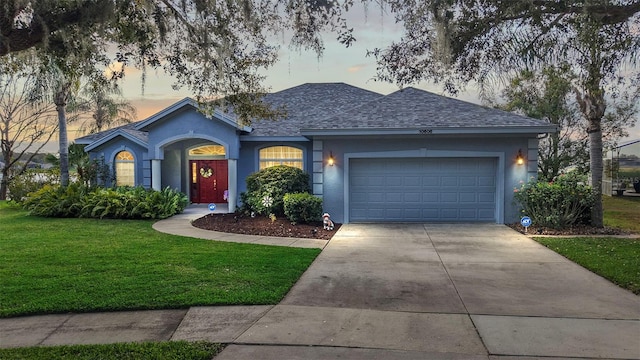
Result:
{"points": [[125, 169], [208, 150], [280, 155]]}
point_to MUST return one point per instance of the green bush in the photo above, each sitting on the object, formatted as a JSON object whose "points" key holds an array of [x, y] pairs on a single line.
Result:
{"points": [[56, 201], [29, 181], [558, 204], [120, 203], [266, 188], [302, 207]]}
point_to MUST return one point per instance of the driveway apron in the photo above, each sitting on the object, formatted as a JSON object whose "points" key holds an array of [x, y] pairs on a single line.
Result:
{"points": [[446, 291]]}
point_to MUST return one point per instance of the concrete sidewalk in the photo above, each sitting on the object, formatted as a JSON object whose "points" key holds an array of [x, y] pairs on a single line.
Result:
{"points": [[385, 291]]}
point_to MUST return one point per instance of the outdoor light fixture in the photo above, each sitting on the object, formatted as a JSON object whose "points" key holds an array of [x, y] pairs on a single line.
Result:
{"points": [[330, 161], [520, 158]]}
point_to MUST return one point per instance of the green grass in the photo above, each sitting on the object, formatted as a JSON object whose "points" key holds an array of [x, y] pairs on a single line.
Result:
{"points": [[83, 265], [612, 258], [622, 212], [123, 351]]}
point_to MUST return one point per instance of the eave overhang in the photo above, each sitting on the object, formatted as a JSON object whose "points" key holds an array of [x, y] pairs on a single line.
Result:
{"points": [[112, 136], [274, 138], [501, 130]]}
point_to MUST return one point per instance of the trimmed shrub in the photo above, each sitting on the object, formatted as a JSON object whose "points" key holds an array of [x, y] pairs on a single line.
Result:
{"points": [[302, 207], [119, 203], [266, 188], [559, 204]]}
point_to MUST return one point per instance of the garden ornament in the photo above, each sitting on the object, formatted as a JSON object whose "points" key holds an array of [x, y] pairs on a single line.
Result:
{"points": [[326, 221]]}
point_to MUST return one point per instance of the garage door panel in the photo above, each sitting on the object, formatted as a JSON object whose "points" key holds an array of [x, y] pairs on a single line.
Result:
{"points": [[487, 181], [412, 198], [412, 181], [449, 181], [449, 197], [468, 181], [422, 189], [487, 198], [468, 198], [430, 181]]}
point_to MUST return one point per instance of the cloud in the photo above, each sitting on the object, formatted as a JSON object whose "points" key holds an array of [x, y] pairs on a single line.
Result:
{"points": [[356, 68]]}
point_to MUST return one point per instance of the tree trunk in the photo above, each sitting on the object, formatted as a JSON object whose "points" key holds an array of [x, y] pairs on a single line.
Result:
{"points": [[595, 153], [63, 143], [4, 183]]}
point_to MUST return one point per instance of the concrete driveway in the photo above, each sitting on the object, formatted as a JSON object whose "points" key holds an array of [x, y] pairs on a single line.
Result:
{"points": [[414, 291]]}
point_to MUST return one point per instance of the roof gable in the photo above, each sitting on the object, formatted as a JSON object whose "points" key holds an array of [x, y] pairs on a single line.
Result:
{"points": [[187, 103], [138, 137]]}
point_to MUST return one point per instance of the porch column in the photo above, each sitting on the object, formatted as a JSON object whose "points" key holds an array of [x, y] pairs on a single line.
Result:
{"points": [[232, 166], [156, 174]]}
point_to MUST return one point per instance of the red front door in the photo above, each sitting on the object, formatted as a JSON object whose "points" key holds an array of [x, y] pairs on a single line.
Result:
{"points": [[209, 180]]}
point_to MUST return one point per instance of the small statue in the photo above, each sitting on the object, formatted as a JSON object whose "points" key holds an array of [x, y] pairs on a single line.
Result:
{"points": [[326, 221]]}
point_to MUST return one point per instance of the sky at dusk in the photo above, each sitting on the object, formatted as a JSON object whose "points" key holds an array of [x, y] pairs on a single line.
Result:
{"points": [[350, 65], [373, 28]]}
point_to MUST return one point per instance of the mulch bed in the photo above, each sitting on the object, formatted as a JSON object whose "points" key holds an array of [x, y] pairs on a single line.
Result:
{"points": [[572, 231], [282, 227], [260, 225]]}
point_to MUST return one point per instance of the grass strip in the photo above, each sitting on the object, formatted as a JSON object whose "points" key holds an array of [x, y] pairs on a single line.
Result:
{"points": [[84, 265], [616, 259], [170, 350], [622, 212]]}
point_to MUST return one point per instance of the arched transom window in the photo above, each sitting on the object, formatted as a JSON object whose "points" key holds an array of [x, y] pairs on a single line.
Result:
{"points": [[208, 150], [125, 169], [280, 155]]}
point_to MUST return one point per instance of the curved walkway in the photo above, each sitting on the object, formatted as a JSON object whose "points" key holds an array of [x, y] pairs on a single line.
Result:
{"points": [[181, 225]]}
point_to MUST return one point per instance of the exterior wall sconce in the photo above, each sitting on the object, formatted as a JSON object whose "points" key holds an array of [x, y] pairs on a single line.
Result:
{"points": [[330, 160], [520, 158]]}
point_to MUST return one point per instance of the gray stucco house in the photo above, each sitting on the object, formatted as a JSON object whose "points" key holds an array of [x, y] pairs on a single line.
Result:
{"points": [[403, 157]]}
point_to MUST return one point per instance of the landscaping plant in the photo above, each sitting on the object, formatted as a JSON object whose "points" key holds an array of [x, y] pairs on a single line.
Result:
{"points": [[302, 207], [266, 189], [559, 204], [77, 200]]}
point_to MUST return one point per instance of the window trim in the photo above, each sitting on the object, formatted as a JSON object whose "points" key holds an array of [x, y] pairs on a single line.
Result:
{"points": [[116, 161], [280, 160]]}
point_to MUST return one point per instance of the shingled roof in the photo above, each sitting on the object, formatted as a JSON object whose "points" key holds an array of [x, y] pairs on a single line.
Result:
{"points": [[309, 105], [337, 106], [316, 108], [127, 128]]}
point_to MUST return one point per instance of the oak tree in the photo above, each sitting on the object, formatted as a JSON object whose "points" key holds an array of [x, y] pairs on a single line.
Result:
{"points": [[454, 42], [214, 48]]}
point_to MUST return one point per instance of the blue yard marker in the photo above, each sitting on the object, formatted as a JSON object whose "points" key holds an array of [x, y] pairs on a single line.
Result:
{"points": [[212, 207], [526, 222]]}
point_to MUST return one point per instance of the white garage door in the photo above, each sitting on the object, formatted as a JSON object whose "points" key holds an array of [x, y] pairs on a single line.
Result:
{"points": [[422, 189]]}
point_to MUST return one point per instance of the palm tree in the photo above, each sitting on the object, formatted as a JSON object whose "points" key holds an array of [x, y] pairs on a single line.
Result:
{"points": [[107, 108]]}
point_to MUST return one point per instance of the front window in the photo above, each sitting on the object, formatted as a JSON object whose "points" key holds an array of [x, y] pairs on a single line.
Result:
{"points": [[125, 169], [280, 155]]}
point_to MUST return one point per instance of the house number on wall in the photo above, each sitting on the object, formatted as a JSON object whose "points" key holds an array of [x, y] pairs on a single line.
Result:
{"points": [[425, 131]]}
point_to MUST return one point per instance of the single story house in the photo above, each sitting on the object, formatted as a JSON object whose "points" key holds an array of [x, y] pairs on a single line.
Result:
{"points": [[410, 156]]}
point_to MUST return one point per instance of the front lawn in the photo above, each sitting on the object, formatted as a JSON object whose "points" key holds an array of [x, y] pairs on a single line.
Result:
{"points": [[82, 265], [170, 350], [612, 258], [622, 212]]}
